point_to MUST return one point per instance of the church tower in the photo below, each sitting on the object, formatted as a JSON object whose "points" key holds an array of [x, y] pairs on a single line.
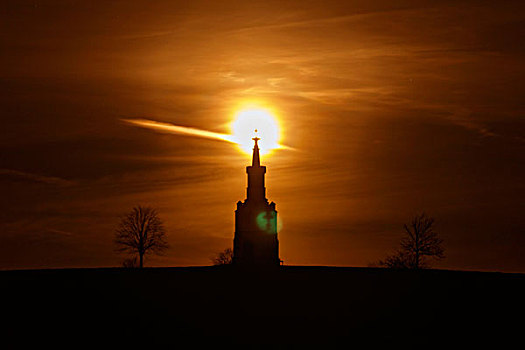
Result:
{"points": [[255, 242]]}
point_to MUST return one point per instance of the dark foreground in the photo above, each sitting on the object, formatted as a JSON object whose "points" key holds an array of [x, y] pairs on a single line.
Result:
{"points": [[222, 307]]}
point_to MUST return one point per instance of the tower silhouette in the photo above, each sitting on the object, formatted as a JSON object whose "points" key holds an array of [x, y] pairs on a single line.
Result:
{"points": [[255, 242]]}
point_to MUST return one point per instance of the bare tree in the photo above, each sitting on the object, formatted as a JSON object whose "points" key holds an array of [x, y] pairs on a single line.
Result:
{"points": [[141, 232], [223, 258], [420, 241]]}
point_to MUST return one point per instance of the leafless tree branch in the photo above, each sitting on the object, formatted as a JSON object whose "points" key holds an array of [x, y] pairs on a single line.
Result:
{"points": [[141, 232], [420, 242], [223, 258]]}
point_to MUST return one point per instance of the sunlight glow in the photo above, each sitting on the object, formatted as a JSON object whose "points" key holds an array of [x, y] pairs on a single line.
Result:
{"points": [[249, 119]]}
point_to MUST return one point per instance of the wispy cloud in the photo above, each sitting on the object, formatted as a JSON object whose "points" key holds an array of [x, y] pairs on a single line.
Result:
{"points": [[21, 175], [323, 21], [60, 232], [463, 117], [178, 129], [186, 130]]}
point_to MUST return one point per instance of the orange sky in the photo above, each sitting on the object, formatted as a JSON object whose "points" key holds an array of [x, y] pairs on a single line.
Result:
{"points": [[391, 110]]}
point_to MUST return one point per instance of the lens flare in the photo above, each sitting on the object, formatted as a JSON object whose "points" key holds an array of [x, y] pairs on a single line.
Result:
{"points": [[250, 119]]}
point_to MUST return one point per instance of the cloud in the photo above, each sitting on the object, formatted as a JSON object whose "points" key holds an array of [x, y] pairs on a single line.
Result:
{"points": [[60, 232], [463, 117], [178, 129], [30, 177], [186, 130]]}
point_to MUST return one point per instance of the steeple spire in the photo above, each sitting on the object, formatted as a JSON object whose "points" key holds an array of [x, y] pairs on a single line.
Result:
{"points": [[255, 159], [256, 171], [255, 242]]}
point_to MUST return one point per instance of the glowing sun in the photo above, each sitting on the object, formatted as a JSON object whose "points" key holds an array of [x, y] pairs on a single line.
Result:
{"points": [[250, 119]]}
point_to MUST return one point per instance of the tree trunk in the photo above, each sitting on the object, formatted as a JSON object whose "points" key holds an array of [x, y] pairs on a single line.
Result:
{"points": [[141, 258]]}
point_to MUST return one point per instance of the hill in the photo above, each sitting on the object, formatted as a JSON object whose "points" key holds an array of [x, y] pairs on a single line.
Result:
{"points": [[222, 306]]}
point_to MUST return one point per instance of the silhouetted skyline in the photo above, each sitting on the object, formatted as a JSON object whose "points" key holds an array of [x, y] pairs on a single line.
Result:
{"points": [[391, 109]]}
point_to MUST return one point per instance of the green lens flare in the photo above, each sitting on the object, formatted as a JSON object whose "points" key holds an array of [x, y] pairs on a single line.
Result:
{"points": [[266, 221]]}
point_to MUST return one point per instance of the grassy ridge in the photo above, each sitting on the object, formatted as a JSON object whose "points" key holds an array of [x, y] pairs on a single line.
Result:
{"points": [[292, 305]]}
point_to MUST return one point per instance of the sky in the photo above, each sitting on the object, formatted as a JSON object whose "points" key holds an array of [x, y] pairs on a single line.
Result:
{"points": [[389, 109]]}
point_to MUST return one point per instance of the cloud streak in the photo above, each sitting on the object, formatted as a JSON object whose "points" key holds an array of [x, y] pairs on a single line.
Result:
{"points": [[21, 175], [178, 129], [185, 130]]}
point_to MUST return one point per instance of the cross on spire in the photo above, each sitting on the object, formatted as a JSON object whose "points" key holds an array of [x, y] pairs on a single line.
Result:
{"points": [[255, 159], [256, 138]]}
